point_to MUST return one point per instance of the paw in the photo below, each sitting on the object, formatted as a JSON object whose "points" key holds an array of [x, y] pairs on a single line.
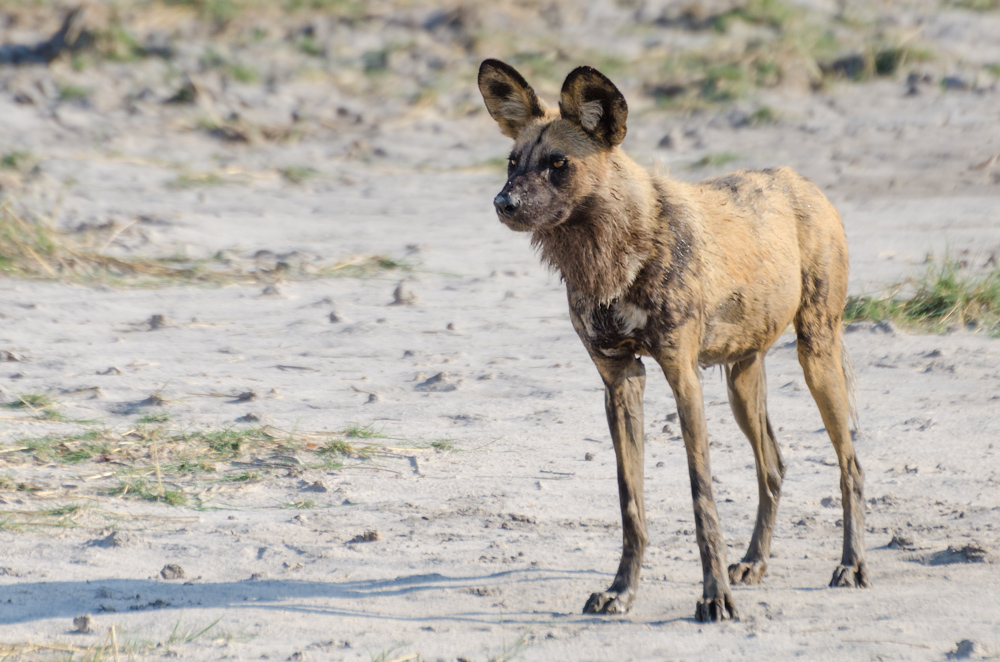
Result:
{"points": [[719, 608], [608, 603], [747, 572], [855, 576]]}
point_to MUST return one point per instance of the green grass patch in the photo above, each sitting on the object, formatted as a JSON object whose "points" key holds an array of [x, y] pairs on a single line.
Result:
{"points": [[725, 82], [763, 116], [42, 406], [308, 45], [70, 92], [60, 511], [141, 488], [356, 431], [339, 447], [770, 13], [21, 161], [188, 634], [33, 401], [878, 60], [297, 174], [715, 160], [216, 11], [12, 484], [242, 477], [196, 180], [67, 449], [977, 5], [8, 524], [947, 295], [344, 9], [112, 42], [243, 73]]}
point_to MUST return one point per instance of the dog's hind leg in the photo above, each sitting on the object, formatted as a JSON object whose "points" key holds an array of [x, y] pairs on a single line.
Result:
{"points": [[820, 357], [624, 382], [748, 399]]}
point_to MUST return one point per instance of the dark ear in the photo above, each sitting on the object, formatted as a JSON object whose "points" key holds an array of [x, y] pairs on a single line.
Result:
{"points": [[593, 103], [509, 98]]}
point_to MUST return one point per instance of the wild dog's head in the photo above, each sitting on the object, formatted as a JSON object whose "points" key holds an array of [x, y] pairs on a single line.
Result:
{"points": [[558, 157]]}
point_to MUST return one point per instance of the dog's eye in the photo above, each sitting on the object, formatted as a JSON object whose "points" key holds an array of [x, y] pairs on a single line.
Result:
{"points": [[512, 162], [558, 163]]}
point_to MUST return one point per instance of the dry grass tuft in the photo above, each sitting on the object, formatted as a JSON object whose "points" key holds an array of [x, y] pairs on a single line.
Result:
{"points": [[178, 466], [31, 248]]}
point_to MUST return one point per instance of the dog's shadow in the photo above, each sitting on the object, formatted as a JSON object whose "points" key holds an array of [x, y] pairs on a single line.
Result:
{"points": [[30, 601]]}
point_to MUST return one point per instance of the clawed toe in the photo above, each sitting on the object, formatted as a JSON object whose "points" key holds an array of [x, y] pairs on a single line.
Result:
{"points": [[747, 572], [850, 576], [607, 603], [716, 609]]}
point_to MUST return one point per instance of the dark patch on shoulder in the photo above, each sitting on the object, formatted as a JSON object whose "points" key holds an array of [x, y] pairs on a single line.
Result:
{"points": [[682, 246], [666, 284], [733, 182]]}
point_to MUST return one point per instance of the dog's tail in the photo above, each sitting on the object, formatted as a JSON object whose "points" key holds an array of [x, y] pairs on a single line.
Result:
{"points": [[851, 379]]}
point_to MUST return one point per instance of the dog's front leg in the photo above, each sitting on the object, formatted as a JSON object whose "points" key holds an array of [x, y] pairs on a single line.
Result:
{"points": [[717, 602], [624, 382]]}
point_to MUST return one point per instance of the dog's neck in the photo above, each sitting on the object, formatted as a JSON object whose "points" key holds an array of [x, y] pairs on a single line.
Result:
{"points": [[601, 248]]}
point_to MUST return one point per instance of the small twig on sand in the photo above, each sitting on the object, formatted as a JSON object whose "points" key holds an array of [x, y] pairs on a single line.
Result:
{"points": [[886, 641]]}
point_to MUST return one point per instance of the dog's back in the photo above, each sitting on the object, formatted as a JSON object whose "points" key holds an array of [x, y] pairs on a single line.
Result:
{"points": [[763, 239]]}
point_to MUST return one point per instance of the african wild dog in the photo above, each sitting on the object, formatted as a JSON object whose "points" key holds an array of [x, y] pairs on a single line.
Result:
{"points": [[690, 274]]}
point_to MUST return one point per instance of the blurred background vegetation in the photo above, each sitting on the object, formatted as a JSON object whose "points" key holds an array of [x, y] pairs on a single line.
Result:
{"points": [[682, 55]]}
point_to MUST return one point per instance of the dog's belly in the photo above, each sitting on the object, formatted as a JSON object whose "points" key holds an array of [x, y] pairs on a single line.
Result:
{"points": [[730, 333], [746, 322]]}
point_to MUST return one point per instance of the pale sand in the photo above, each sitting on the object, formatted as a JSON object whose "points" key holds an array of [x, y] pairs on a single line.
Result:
{"points": [[503, 538]]}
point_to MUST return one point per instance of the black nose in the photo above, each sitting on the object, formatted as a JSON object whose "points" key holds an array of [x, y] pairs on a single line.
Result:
{"points": [[506, 203]]}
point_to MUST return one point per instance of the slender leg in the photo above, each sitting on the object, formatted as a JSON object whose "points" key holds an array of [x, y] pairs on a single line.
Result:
{"points": [[624, 382], [821, 362], [748, 399], [717, 602]]}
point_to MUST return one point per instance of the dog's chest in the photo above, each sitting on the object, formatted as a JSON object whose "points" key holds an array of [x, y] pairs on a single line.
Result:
{"points": [[611, 328]]}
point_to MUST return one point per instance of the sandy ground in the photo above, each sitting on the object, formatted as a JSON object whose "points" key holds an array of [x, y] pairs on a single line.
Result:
{"points": [[489, 545]]}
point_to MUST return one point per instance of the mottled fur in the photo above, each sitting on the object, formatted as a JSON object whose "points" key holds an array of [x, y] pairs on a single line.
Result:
{"points": [[709, 273]]}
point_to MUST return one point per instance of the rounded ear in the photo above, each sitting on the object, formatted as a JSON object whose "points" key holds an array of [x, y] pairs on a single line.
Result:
{"points": [[593, 103], [509, 98]]}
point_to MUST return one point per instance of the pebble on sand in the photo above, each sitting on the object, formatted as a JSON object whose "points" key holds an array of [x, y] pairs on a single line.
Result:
{"points": [[172, 571], [368, 536], [403, 295], [441, 382], [84, 624]]}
